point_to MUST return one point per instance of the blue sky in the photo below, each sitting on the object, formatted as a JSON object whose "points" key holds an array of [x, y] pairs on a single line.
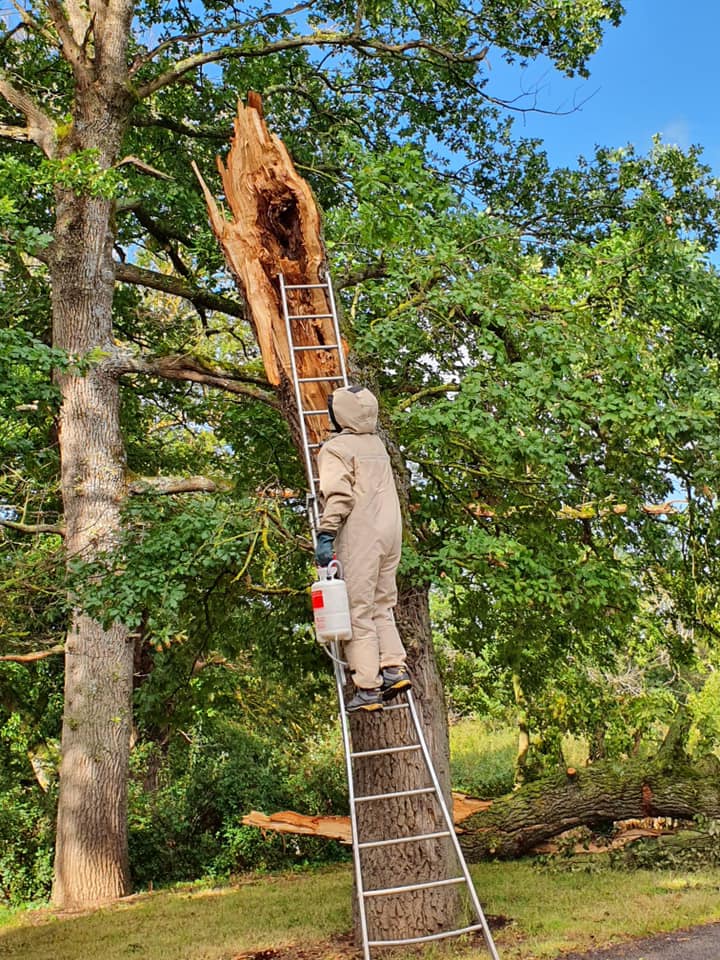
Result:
{"points": [[658, 72]]}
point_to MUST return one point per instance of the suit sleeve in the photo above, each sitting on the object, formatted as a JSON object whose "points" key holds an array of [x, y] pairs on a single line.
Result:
{"points": [[337, 483]]}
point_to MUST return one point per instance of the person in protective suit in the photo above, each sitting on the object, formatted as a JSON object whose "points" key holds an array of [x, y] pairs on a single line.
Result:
{"points": [[362, 524]]}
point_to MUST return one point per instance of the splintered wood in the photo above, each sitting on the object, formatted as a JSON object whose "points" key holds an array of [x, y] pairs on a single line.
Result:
{"points": [[275, 228], [338, 828]]}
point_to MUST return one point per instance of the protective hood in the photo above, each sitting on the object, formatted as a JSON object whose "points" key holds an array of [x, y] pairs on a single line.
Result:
{"points": [[355, 409]]}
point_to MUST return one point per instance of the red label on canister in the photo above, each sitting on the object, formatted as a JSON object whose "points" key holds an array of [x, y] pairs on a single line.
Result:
{"points": [[317, 600]]}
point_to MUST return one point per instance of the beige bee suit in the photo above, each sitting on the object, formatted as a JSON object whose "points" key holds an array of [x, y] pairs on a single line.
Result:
{"points": [[361, 508]]}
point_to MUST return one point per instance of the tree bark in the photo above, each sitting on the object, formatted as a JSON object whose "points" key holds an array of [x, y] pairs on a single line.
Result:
{"points": [[275, 228], [604, 792], [91, 859]]}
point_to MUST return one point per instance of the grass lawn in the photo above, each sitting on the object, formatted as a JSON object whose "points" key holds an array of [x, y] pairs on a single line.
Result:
{"points": [[550, 912]]}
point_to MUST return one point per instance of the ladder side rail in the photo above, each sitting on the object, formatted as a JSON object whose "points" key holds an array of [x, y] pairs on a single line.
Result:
{"points": [[336, 327], [296, 386], [344, 723], [490, 943]]}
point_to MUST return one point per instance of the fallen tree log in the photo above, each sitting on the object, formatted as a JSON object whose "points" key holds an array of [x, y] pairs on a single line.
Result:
{"points": [[525, 821], [602, 793]]}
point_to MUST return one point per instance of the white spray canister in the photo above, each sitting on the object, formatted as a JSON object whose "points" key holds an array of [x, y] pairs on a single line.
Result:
{"points": [[331, 609]]}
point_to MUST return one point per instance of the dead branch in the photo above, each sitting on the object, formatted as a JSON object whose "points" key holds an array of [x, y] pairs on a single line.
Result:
{"points": [[171, 485], [32, 657], [143, 167], [40, 128], [32, 528]]}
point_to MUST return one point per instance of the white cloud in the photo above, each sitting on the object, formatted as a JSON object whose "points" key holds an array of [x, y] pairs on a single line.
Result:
{"points": [[677, 132]]}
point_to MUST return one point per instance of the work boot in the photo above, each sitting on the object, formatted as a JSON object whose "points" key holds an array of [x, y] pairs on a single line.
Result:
{"points": [[395, 680], [366, 700]]}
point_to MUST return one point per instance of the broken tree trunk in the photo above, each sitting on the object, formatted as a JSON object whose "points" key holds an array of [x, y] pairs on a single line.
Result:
{"points": [[275, 228]]}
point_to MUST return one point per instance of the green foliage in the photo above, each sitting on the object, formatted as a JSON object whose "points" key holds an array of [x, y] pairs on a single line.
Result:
{"points": [[482, 758], [30, 708], [27, 838], [704, 708], [688, 851], [188, 823]]}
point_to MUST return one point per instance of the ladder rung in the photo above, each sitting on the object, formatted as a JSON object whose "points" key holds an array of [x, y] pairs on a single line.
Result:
{"points": [[318, 346], [388, 891], [397, 706], [306, 286], [315, 413], [318, 379], [314, 446], [375, 753], [395, 793], [417, 836], [431, 936], [309, 316]]}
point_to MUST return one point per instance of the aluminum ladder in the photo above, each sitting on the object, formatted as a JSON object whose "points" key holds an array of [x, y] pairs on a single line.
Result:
{"points": [[405, 701]]}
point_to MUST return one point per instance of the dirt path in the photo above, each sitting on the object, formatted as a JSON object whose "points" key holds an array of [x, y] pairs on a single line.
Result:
{"points": [[696, 943]]}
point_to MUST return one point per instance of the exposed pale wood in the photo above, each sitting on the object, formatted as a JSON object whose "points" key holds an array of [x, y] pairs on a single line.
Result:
{"points": [[287, 821], [338, 828]]}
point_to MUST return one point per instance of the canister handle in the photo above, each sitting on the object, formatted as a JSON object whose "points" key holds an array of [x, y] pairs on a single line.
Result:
{"points": [[333, 570]]}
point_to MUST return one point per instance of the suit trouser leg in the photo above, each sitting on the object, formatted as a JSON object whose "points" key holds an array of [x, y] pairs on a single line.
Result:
{"points": [[392, 651], [363, 651]]}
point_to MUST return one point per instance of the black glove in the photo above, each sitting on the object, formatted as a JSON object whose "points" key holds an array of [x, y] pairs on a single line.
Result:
{"points": [[324, 549]]}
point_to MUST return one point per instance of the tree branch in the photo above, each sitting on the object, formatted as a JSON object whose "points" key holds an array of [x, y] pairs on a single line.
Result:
{"points": [[175, 286], [373, 271], [67, 28], [28, 20], [9, 132], [130, 273], [176, 126], [31, 657], [143, 167], [188, 368], [366, 45], [171, 485], [140, 61], [40, 128], [164, 233], [33, 527], [435, 390]]}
